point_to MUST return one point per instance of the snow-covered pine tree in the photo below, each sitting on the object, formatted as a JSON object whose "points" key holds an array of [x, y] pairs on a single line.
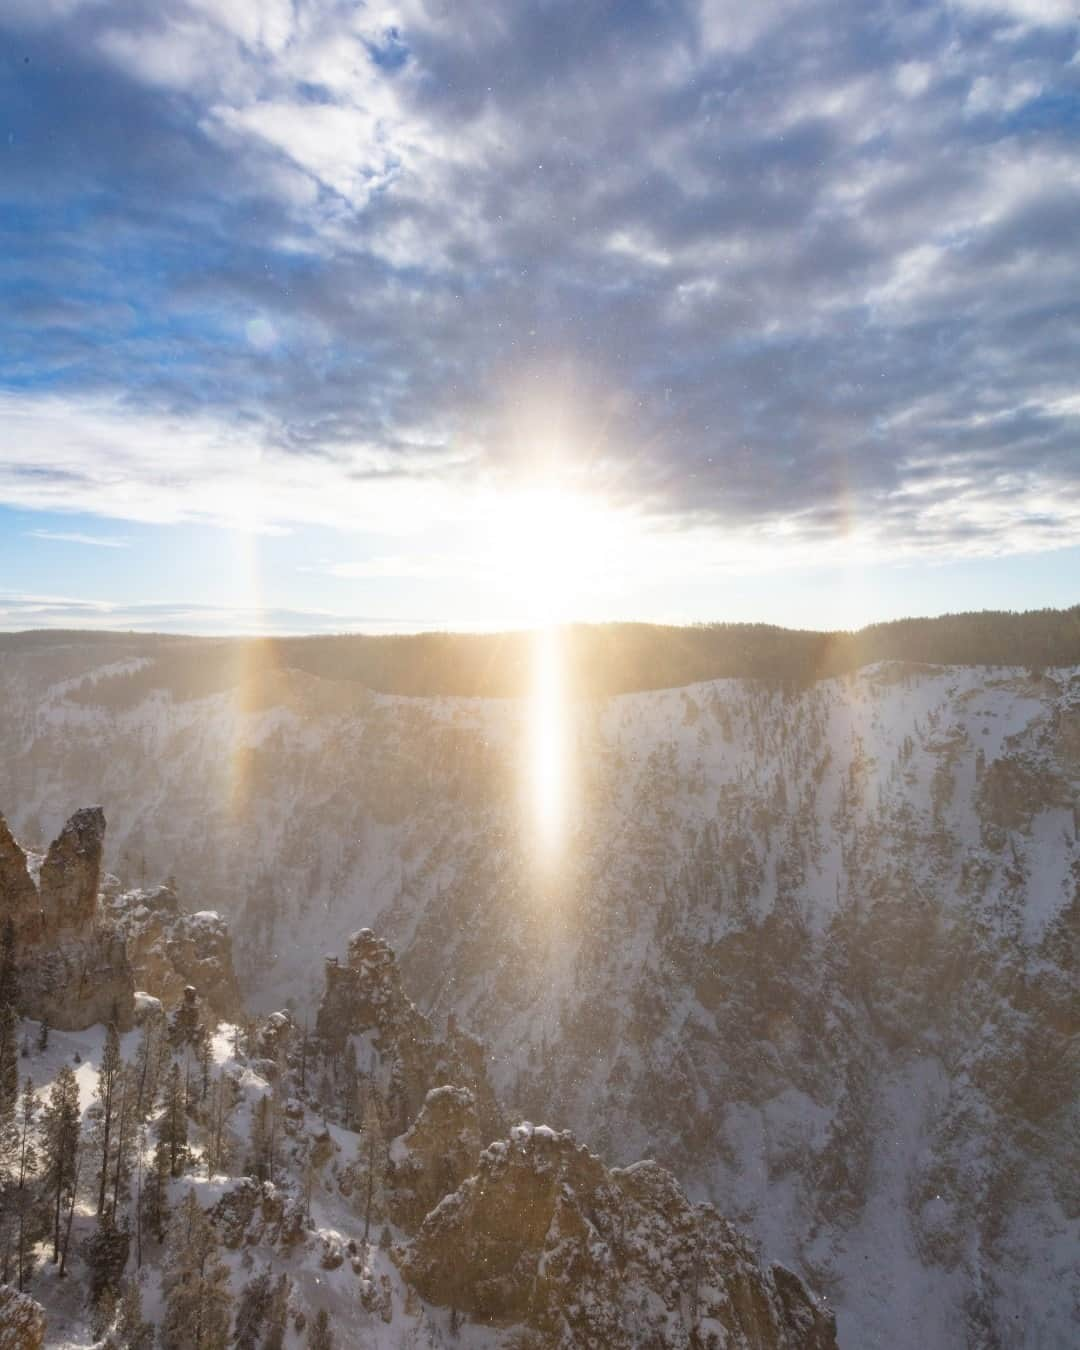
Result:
{"points": [[61, 1128], [321, 1337], [252, 1312], [123, 1138], [149, 1059], [172, 1128], [107, 1102], [105, 1252], [277, 1315], [24, 1192], [198, 1307], [219, 1111], [154, 1195], [132, 1332]]}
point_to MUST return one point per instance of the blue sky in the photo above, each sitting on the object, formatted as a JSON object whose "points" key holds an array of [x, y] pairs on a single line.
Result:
{"points": [[318, 315]]}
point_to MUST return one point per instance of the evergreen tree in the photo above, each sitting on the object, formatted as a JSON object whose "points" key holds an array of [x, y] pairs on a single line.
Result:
{"points": [[321, 1337], [205, 1049], [172, 1128], [27, 1227], [351, 1102], [372, 1151], [105, 1252], [217, 1133], [149, 1058], [61, 1128], [277, 1315], [126, 1129], [153, 1202], [252, 1312], [186, 1024], [261, 1136], [132, 1333], [107, 1094], [103, 1313], [196, 1283], [9, 1069], [9, 975], [43, 1034]]}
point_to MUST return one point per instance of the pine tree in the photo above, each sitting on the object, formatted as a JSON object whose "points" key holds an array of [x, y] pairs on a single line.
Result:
{"points": [[105, 1252], [125, 1136], [217, 1137], [107, 1091], [186, 1024], [196, 1283], [9, 975], [23, 1199], [254, 1307], [261, 1134], [148, 1063], [372, 1149], [277, 1315], [172, 1129], [350, 1089], [321, 1337], [9, 1067], [154, 1198], [61, 1124], [206, 1059], [43, 1034], [132, 1333]]}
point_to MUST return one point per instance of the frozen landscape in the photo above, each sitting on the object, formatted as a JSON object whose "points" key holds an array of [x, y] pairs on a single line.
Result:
{"points": [[813, 950]]}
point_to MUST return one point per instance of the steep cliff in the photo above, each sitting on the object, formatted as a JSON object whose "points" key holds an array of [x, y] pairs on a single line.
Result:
{"points": [[590, 1259]]}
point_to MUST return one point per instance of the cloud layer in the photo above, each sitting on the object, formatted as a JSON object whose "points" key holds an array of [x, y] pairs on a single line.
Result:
{"points": [[795, 272]]}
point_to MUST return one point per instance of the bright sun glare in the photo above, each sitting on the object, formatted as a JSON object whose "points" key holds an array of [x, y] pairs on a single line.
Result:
{"points": [[553, 546]]}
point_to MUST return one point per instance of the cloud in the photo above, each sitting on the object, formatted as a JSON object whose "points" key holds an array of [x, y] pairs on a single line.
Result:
{"points": [[754, 276], [66, 537], [19, 611]]}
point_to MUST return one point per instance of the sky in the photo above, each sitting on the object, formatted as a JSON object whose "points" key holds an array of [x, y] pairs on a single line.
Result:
{"points": [[318, 316]]}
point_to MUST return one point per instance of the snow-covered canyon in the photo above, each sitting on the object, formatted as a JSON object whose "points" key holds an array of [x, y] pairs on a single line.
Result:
{"points": [[814, 949]]}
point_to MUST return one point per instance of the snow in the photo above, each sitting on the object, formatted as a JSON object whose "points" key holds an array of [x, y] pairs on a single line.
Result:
{"points": [[443, 876]]}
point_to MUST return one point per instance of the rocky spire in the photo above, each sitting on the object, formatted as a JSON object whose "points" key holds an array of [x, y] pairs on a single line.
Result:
{"points": [[71, 872]]}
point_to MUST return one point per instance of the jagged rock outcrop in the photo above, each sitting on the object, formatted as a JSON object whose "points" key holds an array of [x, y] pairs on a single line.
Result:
{"points": [[72, 962], [544, 1235], [365, 997], [19, 899], [78, 981], [169, 949], [83, 946], [435, 1155], [22, 1321], [71, 873]]}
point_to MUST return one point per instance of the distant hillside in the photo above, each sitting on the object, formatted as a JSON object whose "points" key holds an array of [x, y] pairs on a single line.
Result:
{"points": [[601, 658]]}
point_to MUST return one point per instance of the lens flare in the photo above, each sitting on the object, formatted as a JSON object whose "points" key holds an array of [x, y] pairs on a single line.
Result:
{"points": [[547, 725]]}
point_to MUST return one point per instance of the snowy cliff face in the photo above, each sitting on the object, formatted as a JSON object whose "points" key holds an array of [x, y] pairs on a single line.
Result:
{"points": [[815, 952]]}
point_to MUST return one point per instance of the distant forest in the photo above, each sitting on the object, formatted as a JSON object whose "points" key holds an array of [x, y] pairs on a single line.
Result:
{"points": [[600, 658]]}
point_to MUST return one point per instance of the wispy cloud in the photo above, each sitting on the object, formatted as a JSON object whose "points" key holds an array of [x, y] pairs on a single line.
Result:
{"points": [[20, 611], [74, 537], [754, 277]]}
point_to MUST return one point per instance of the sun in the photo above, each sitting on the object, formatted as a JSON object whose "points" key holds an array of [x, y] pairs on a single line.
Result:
{"points": [[553, 548]]}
